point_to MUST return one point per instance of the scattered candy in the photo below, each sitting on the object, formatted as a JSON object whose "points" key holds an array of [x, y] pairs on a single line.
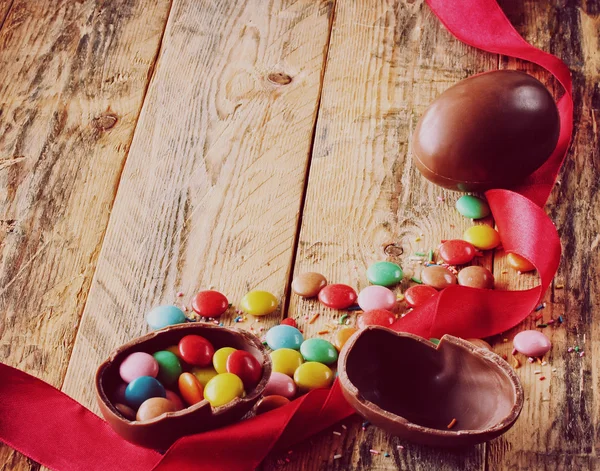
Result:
{"points": [[289, 321], [472, 207], [286, 361], [384, 273], [259, 303], [284, 336], [209, 303], [313, 375], [418, 295], [337, 296], [342, 336], [476, 277], [281, 385], [457, 252], [222, 389], [451, 424], [519, 263], [482, 237], [376, 297], [375, 317], [308, 284], [319, 350], [438, 277], [532, 343], [163, 316]]}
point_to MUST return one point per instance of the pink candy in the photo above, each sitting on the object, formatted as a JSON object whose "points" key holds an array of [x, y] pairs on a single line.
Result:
{"points": [[138, 364], [376, 297], [532, 343], [281, 385]]}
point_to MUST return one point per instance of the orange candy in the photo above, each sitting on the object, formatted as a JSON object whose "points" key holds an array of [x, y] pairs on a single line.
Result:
{"points": [[519, 263], [342, 336], [190, 388]]}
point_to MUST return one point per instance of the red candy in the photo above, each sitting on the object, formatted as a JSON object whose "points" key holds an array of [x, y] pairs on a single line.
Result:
{"points": [[419, 294], [196, 350], [210, 303], [289, 321], [457, 252], [246, 367], [338, 296], [375, 317]]}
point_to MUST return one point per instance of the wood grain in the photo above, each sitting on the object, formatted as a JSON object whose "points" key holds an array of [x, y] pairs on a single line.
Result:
{"points": [[4, 9], [72, 85], [366, 201], [212, 188]]}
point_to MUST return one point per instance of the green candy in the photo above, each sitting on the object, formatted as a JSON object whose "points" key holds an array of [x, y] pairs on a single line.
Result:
{"points": [[319, 350], [435, 341], [472, 207], [384, 273], [169, 367]]}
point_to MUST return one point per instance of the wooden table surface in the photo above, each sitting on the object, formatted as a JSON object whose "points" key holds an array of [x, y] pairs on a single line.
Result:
{"points": [[150, 147]]}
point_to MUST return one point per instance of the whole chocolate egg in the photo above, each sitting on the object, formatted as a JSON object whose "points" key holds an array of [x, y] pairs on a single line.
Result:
{"points": [[488, 131]]}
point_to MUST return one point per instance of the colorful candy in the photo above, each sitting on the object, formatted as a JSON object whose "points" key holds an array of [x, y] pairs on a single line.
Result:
{"points": [[175, 399], [209, 303], [169, 367], [313, 375], [223, 388], [286, 361], [289, 321], [519, 263], [154, 407], [143, 388], [125, 411], [376, 297], [532, 343], [380, 317], [284, 336], [190, 389], [196, 350], [259, 303], [246, 367], [220, 359], [203, 375], [280, 384], [457, 252], [163, 316], [472, 207], [419, 294], [269, 403], [384, 273], [482, 237], [138, 364], [308, 284], [437, 277], [319, 350], [342, 336], [337, 296], [476, 277]]}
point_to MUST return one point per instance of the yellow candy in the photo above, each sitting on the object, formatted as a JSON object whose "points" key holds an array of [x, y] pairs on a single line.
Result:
{"points": [[174, 349], [519, 263], [220, 359], [203, 375], [342, 336], [286, 361], [313, 375], [223, 388], [482, 237], [258, 303]]}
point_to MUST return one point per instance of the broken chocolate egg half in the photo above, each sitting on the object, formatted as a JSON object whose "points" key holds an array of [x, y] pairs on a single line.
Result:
{"points": [[453, 394], [162, 431], [491, 130]]}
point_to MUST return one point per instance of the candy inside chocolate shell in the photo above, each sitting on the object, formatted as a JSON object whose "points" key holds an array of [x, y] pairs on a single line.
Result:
{"points": [[454, 395]]}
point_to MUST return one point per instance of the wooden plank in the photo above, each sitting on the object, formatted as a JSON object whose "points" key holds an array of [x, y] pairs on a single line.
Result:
{"points": [[4, 8], [72, 85], [366, 201], [557, 428], [212, 188]]}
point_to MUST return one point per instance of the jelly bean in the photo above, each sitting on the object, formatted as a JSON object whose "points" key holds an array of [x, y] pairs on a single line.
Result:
{"points": [[281, 385], [480, 343], [476, 277], [259, 303], [196, 350], [143, 388], [223, 389], [286, 361], [220, 359], [437, 277], [384, 273], [163, 316], [125, 411], [203, 375], [289, 321], [169, 367], [138, 364], [313, 375], [375, 317], [319, 350], [175, 399], [532, 343], [246, 367], [472, 207], [342, 336], [482, 237], [269, 403], [419, 294], [457, 252], [519, 263], [284, 336], [308, 284], [376, 297], [337, 296], [435, 341], [154, 407], [209, 303], [174, 349], [190, 389]]}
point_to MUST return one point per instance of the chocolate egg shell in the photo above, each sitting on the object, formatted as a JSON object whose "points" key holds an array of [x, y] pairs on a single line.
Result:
{"points": [[413, 389], [489, 131], [162, 431]]}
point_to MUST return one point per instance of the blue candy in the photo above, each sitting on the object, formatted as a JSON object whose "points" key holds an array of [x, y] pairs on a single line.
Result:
{"points": [[162, 316], [284, 336], [143, 388]]}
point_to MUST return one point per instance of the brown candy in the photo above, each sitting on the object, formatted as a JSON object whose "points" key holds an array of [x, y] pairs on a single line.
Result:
{"points": [[476, 277], [488, 131], [269, 403], [455, 395], [153, 407], [308, 284], [125, 411], [437, 277]]}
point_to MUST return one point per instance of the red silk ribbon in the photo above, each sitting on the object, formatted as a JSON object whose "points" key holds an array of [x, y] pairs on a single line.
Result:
{"points": [[51, 428]]}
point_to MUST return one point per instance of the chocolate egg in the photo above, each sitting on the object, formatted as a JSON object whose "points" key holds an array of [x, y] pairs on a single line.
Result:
{"points": [[162, 431], [488, 131], [452, 394]]}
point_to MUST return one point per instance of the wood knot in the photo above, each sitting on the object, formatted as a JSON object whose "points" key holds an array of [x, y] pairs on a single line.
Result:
{"points": [[279, 78], [105, 121], [393, 250]]}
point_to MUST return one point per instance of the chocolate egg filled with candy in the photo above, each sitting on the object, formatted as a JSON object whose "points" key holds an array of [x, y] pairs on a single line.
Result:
{"points": [[488, 131]]}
